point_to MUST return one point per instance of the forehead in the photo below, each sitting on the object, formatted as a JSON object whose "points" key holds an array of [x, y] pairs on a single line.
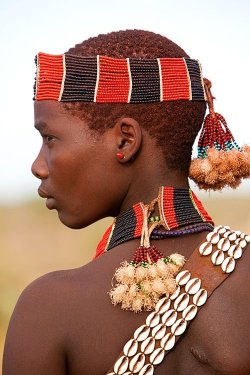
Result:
{"points": [[48, 109], [53, 113]]}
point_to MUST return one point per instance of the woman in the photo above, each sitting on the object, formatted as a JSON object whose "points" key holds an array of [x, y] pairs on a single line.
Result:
{"points": [[114, 140]]}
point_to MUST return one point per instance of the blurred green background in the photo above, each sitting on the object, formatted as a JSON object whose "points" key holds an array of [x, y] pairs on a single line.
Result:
{"points": [[34, 242]]}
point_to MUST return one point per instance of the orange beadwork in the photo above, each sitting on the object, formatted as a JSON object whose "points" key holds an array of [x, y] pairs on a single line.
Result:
{"points": [[114, 81], [49, 77], [175, 79]]}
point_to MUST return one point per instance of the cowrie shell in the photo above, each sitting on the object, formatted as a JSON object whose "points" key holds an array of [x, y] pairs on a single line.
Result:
{"points": [[193, 285], [176, 293], [169, 317], [162, 305], [232, 237], [179, 327], [157, 356], [168, 341], [147, 370], [130, 348], [153, 319], [217, 257], [227, 227], [148, 345], [227, 233], [183, 277], [228, 265], [142, 333], [218, 227], [222, 230], [159, 331], [235, 251], [247, 238], [121, 365], [242, 235], [200, 297], [181, 302], [213, 237], [205, 248], [137, 362], [243, 243], [189, 312], [224, 244]]}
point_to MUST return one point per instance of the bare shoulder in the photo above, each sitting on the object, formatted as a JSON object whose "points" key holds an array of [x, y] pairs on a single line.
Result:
{"points": [[52, 287], [37, 332]]}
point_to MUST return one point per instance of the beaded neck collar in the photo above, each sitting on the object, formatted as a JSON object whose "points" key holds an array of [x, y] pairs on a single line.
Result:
{"points": [[139, 284], [180, 212]]}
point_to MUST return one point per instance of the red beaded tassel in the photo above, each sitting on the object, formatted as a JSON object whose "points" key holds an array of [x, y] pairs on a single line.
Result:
{"points": [[145, 255], [142, 282], [220, 162]]}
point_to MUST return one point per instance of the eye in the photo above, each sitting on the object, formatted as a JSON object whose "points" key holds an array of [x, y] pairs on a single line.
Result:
{"points": [[48, 138]]}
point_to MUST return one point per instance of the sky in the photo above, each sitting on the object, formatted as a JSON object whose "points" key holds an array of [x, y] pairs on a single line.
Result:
{"points": [[216, 32]]}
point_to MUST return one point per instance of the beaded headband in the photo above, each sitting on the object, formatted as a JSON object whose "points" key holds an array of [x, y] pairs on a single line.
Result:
{"points": [[101, 79]]}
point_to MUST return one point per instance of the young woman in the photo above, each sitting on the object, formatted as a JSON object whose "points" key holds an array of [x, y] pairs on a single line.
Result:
{"points": [[118, 115]]}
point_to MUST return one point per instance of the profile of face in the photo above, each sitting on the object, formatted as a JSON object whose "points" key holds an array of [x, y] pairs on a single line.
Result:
{"points": [[78, 169]]}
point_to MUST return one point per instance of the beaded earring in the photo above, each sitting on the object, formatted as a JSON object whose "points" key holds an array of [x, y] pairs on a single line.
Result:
{"points": [[220, 162], [120, 155]]}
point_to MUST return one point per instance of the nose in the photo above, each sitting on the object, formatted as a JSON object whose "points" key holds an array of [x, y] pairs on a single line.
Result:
{"points": [[39, 168]]}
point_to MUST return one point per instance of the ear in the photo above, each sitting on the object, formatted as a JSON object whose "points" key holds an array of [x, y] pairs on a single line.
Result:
{"points": [[128, 134]]}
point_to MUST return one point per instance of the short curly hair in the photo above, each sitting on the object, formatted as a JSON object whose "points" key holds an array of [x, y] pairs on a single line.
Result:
{"points": [[173, 124]]}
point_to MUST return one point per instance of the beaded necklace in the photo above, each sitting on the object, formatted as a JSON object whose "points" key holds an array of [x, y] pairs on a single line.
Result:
{"points": [[141, 282], [178, 208]]}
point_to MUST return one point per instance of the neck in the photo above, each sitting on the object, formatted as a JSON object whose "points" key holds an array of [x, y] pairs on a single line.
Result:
{"points": [[145, 188]]}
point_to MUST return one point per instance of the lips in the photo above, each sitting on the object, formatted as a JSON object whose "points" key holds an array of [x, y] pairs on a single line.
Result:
{"points": [[50, 201], [43, 194]]}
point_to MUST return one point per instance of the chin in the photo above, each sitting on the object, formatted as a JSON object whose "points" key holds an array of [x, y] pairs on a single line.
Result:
{"points": [[72, 222]]}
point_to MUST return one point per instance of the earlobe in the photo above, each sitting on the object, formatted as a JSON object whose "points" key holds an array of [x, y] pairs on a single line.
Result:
{"points": [[129, 139]]}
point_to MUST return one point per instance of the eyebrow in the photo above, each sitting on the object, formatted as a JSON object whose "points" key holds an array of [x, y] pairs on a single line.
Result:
{"points": [[40, 125]]}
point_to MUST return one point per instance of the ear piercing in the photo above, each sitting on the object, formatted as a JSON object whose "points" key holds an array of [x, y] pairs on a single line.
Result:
{"points": [[120, 155]]}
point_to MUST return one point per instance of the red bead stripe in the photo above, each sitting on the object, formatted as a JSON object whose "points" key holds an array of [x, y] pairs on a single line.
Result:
{"points": [[139, 219], [201, 209], [175, 79], [168, 207], [114, 82], [101, 247], [49, 77]]}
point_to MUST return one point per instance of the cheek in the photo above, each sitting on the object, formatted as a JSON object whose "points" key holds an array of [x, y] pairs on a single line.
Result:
{"points": [[89, 194]]}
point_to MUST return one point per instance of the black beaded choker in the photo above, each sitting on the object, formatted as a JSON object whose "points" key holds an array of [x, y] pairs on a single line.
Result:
{"points": [[180, 213]]}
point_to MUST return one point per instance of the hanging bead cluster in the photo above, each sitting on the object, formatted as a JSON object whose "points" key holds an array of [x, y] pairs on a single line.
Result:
{"points": [[215, 133], [143, 256], [220, 162]]}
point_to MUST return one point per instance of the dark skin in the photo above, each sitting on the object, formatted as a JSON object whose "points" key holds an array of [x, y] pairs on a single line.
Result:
{"points": [[64, 322]]}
